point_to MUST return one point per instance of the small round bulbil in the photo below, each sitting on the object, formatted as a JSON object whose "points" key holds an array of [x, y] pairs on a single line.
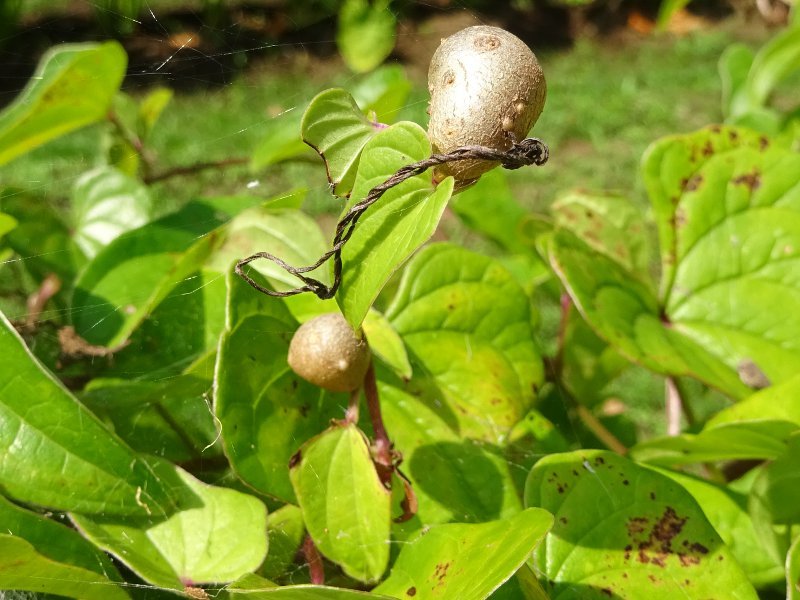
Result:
{"points": [[326, 351], [487, 89]]}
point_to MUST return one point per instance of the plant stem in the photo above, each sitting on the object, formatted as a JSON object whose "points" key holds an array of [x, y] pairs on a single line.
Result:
{"points": [[600, 431], [316, 569], [351, 416], [382, 445], [195, 168], [134, 141], [672, 407]]}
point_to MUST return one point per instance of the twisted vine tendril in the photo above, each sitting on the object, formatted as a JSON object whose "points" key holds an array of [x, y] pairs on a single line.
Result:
{"points": [[530, 151]]}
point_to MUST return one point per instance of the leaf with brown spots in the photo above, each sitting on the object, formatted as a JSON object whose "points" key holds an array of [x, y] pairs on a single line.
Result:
{"points": [[617, 538], [465, 560]]}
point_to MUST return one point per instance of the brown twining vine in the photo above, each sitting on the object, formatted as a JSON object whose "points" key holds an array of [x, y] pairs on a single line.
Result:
{"points": [[530, 151]]}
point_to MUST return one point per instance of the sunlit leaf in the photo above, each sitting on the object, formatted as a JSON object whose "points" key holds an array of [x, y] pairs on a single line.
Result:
{"points": [[403, 219], [624, 531], [467, 321], [337, 129], [345, 506], [218, 541], [450, 561], [106, 203], [21, 568], [386, 344], [72, 87], [57, 454]]}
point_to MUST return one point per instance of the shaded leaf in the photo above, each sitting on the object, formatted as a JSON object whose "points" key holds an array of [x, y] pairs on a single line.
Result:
{"points": [[297, 592], [466, 320], [393, 228], [345, 506], [219, 541], [265, 410], [285, 530], [643, 535], [73, 86], [450, 561], [793, 571], [454, 479], [282, 140], [57, 454]]}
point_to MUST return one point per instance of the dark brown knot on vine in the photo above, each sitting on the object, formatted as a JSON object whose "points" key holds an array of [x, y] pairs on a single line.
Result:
{"points": [[530, 151]]}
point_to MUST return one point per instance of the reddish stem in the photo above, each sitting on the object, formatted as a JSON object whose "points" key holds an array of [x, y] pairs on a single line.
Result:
{"points": [[316, 570], [382, 446]]}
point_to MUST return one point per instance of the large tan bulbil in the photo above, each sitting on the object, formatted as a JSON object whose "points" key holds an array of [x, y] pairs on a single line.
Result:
{"points": [[326, 352], [487, 89]]}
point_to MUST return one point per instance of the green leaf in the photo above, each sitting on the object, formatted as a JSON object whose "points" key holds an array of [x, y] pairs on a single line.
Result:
{"points": [[728, 441], [106, 203], [776, 403], [383, 92], [73, 86], [490, 208], [56, 542], [335, 127], [777, 487], [21, 568], [386, 344], [793, 571], [627, 532], [282, 140], [366, 33], [57, 454], [41, 237], [450, 561], [464, 317], [289, 234], [729, 224], [151, 108], [298, 592], [265, 410], [285, 530], [345, 506], [219, 541], [734, 65], [7, 223], [726, 510], [167, 418], [610, 225], [774, 62], [393, 228], [133, 274], [454, 479]]}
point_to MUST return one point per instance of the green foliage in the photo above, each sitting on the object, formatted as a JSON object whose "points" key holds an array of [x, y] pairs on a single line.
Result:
{"points": [[147, 394], [366, 33]]}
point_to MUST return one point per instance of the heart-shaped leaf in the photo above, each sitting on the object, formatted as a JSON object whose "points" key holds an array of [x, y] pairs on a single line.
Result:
{"points": [[106, 203], [265, 410], [337, 129], [640, 534], [403, 219], [73, 86], [216, 542], [450, 561], [467, 321], [58, 454], [345, 506], [715, 193]]}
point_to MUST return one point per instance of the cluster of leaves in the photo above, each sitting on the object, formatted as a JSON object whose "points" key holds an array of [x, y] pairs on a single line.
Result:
{"points": [[167, 435]]}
